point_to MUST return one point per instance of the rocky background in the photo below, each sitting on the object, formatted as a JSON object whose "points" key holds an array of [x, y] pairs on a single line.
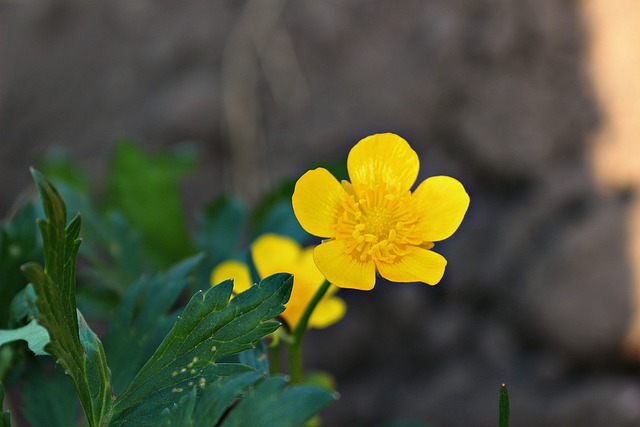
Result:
{"points": [[532, 104]]}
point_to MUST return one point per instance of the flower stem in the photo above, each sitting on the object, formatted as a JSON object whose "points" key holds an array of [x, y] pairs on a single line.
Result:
{"points": [[295, 343], [275, 353]]}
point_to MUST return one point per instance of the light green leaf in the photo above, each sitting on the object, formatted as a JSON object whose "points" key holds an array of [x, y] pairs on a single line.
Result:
{"points": [[272, 404], [35, 335], [75, 346], [211, 328]]}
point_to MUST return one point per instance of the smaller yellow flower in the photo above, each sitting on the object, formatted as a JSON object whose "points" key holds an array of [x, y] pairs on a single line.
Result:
{"points": [[277, 254]]}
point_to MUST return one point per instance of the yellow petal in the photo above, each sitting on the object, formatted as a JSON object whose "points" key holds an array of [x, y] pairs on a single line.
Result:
{"points": [[327, 312], [316, 201], [272, 254], [235, 270], [420, 265], [442, 201], [383, 159], [343, 270], [306, 270]]}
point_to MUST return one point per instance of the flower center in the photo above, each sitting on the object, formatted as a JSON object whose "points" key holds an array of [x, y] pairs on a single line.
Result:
{"points": [[378, 224]]}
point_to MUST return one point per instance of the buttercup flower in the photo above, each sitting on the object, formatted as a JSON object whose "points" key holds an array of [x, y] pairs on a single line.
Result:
{"points": [[375, 223], [275, 254]]}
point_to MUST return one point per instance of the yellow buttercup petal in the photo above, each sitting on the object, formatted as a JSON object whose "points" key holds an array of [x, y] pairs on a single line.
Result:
{"points": [[272, 254], [327, 312], [306, 271], [383, 159], [316, 200], [343, 270], [235, 270], [419, 265], [442, 202]]}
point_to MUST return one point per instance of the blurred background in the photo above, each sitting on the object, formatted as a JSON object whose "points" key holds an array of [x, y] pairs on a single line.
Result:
{"points": [[533, 104]]}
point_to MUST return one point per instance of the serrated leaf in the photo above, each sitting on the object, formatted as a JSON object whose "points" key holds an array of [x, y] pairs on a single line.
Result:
{"points": [[75, 346], [211, 328], [213, 402], [180, 414], [272, 404], [5, 417], [217, 398], [142, 320], [256, 357], [35, 335]]}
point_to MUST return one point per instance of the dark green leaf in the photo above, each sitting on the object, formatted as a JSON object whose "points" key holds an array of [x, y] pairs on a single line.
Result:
{"points": [[142, 320], [75, 346], [48, 400], [145, 189], [18, 244], [220, 227], [275, 214], [218, 397], [212, 403], [5, 417], [23, 307], [504, 407], [272, 405], [180, 414], [256, 358], [210, 329]]}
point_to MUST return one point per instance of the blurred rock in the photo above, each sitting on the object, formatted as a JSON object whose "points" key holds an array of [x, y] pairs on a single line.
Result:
{"points": [[528, 103]]}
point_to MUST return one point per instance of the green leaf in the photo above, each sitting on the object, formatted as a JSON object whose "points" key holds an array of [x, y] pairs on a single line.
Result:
{"points": [[145, 188], [142, 320], [263, 402], [214, 400], [272, 405], [75, 346], [5, 416], [275, 214], [219, 231], [23, 307], [18, 244], [220, 227], [48, 400], [504, 407], [35, 335], [211, 328], [180, 415], [220, 396]]}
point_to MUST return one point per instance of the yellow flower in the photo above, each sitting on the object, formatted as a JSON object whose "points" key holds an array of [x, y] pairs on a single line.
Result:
{"points": [[277, 254], [375, 223]]}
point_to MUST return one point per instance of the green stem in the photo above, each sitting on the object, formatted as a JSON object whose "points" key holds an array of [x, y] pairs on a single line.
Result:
{"points": [[503, 420], [275, 364], [294, 345]]}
